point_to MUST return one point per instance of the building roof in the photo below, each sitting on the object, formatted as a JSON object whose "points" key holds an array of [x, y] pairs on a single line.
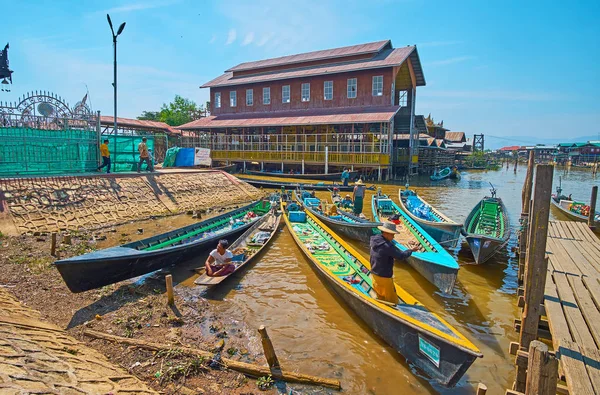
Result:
{"points": [[322, 116], [455, 136], [385, 58], [510, 148], [352, 50], [107, 120]]}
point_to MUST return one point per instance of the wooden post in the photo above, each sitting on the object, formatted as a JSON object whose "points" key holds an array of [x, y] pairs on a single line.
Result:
{"points": [[67, 239], [481, 389], [591, 221], [542, 370], [526, 194], [516, 162], [170, 296], [53, 247], [268, 348], [536, 263]]}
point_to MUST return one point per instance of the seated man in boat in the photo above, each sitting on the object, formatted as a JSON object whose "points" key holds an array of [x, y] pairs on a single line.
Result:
{"points": [[218, 262], [347, 201], [382, 257]]}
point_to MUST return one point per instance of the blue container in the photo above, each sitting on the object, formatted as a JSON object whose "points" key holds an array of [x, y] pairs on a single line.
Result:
{"points": [[297, 216], [185, 157], [312, 202]]}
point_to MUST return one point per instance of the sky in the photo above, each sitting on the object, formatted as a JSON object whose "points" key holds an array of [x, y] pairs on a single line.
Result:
{"points": [[512, 70]]}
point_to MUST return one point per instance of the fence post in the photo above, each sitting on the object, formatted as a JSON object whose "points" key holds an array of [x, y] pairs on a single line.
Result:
{"points": [[268, 348], [170, 296], [542, 370], [591, 219]]}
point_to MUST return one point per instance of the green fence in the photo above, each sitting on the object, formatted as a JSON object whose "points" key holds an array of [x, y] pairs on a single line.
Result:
{"points": [[126, 155], [27, 151]]}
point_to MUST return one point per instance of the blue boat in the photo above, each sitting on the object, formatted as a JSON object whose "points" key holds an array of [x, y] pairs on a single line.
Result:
{"points": [[440, 227], [432, 261]]}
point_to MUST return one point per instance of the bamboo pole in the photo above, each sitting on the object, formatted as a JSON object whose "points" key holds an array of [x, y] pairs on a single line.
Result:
{"points": [[591, 217], [246, 368], [542, 370], [268, 348], [170, 296], [53, 246], [481, 389]]}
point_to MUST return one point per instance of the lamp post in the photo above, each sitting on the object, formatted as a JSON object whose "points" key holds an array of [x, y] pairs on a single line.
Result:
{"points": [[114, 36]]}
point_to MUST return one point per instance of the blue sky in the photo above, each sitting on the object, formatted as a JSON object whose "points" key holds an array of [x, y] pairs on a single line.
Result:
{"points": [[502, 68]]}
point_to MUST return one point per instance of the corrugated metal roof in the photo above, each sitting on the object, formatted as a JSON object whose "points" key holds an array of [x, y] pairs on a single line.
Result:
{"points": [[312, 56], [292, 118], [137, 123], [455, 136], [385, 58], [510, 148]]}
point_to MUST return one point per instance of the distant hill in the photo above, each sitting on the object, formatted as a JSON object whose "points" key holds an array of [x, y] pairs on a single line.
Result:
{"points": [[495, 142]]}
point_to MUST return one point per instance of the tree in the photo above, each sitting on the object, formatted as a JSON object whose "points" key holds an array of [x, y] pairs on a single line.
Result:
{"points": [[178, 112]]}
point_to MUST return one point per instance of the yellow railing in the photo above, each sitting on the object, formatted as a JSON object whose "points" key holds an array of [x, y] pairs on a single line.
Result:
{"points": [[308, 157]]}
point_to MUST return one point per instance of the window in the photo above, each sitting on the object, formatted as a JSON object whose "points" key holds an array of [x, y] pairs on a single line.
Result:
{"points": [[305, 92], [232, 99], [328, 90], [266, 95], [402, 97], [249, 97], [378, 85], [218, 100], [352, 88], [285, 94]]}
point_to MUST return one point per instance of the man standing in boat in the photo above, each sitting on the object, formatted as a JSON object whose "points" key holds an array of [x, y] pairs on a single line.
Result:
{"points": [[218, 262], [382, 257], [358, 196], [345, 177]]}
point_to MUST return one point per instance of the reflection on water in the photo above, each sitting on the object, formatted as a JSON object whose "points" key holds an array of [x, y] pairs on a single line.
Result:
{"points": [[315, 332]]}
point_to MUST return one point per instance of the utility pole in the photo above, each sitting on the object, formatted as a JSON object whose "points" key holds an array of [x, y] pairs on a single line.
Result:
{"points": [[114, 36]]}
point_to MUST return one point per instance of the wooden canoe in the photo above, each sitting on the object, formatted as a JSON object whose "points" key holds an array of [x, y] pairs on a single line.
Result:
{"points": [[432, 261], [439, 226], [426, 340], [344, 223], [487, 228], [563, 204], [446, 172], [99, 268], [318, 176], [294, 185], [246, 250]]}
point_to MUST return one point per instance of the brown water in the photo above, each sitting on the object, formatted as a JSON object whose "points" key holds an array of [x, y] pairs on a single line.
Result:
{"points": [[314, 332]]}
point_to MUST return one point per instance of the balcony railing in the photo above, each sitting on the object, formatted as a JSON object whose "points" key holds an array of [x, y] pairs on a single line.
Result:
{"points": [[351, 158]]}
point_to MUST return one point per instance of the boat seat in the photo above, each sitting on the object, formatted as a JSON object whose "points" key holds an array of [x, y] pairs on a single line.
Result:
{"points": [[385, 206]]}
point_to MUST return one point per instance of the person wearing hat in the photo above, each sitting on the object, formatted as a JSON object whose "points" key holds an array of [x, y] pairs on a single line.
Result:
{"points": [[383, 252], [358, 196], [347, 201]]}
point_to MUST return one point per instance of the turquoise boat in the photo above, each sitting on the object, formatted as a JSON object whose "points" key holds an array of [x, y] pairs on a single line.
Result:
{"points": [[432, 261]]}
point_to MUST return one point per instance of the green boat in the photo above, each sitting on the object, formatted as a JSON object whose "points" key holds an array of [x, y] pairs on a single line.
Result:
{"points": [[487, 228]]}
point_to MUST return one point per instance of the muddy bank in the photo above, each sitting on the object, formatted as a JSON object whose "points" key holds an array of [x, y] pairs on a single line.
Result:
{"points": [[134, 309]]}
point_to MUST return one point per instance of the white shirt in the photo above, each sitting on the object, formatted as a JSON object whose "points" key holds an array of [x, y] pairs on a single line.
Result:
{"points": [[220, 260]]}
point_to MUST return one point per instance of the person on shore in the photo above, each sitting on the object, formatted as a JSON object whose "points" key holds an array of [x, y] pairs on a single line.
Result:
{"points": [[358, 196], [105, 156], [382, 257], [218, 262], [345, 177], [144, 156]]}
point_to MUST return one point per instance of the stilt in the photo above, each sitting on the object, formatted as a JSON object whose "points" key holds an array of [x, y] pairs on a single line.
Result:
{"points": [[326, 160], [262, 166], [244, 166], [379, 173], [170, 296], [302, 166], [591, 217], [282, 167]]}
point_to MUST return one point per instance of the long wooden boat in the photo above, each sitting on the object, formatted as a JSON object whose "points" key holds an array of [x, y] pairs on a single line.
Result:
{"points": [[344, 223], [446, 172], [487, 228], [318, 176], [567, 207], [440, 227], [99, 268], [294, 185], [228, 169], [432, 261], [247, 247], [426, 340]]}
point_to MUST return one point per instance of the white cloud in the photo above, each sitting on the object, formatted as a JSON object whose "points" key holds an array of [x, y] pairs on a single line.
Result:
{"points": [[231, 36], [213, 39], [265, 39], [248, 39], [457, 59]]}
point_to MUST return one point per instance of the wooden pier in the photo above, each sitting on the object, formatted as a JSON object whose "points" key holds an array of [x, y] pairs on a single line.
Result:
{"points": [[559, 267]]}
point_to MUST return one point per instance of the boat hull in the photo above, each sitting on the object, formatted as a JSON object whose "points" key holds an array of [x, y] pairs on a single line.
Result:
{"points": [[483, 248], [571, 215], [320, 176], [359, 231], [294, 185]]}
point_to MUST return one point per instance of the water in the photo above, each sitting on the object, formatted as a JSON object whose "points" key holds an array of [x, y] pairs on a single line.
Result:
{"points": [[314, 332]]}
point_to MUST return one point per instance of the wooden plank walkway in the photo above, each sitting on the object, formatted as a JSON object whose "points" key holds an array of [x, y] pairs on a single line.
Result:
{"points": [[572, 303]]}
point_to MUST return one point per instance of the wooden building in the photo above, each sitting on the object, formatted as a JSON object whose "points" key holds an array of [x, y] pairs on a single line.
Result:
{"points": [[316, 112]]}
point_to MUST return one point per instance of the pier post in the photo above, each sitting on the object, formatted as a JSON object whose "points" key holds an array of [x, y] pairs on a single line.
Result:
{"points": [[516, 161], [268, 349], [526, 194], [542, 370], [536, 264], [302, 166], [591, 220], [481, 389], [170, 296]]}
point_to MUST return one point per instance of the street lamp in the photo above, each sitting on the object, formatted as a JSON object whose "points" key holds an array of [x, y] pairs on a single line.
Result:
{"points": [[114, 36]]}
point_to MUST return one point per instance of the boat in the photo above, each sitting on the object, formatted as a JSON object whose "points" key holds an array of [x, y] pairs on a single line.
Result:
{"points": [[426, 340], [343, 223], [446, 172], [248, 246], [432, 261], [574, 210], [487, 228], [321, 186], [318, 176], [445, 231], [108, 266], [228, 169]]}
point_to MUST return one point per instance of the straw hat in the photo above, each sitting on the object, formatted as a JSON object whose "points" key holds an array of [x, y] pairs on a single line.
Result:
{"points": [[359, 182], [388, 227]]}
